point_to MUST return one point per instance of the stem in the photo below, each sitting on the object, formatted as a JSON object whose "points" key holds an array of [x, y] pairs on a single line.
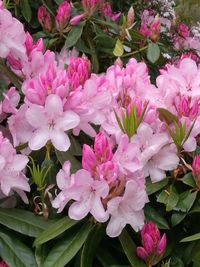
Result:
{"points": [[135, 52], [11, 75]]}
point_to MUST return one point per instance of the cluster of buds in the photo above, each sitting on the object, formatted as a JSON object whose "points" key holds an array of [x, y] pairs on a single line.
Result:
{"points": [[196, 170], [44, 18], [187, 109], [91, 6], [63, 15], [153, 244]]}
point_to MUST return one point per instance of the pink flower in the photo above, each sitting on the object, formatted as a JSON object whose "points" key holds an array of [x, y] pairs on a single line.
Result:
{"points": [[11, 100], [11, 166], [153, 245], [127, 209], [12, 36], [78, 71], [52, 124], [88, 195], [196, 169], [44, 18], [126, 156], [90, 6], [63, 15], [75, 20], [106, 10]]}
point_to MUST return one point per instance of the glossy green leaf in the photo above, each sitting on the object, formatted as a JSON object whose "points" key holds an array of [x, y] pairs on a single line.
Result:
{"points": [[22, 221], [41, 254], [90, 246], [129, 248], [177, 217], [186, 201], [169, 197], [67, 248], [74, 35], [191, 238], [14, 252], [26, 10], [189, 180], [153, 215], [54, 230], [154, 187], [153, 52]]}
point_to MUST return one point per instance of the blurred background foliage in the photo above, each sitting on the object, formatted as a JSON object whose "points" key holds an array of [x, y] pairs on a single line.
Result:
{"points": [[189, 10]]}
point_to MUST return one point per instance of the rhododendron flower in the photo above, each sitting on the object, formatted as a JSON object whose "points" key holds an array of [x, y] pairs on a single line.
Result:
{"points": [[52, 124], [106, 10], [127, 209], [12, 35], [44, 18], [63, 15], [11, 100], [11, 166]]}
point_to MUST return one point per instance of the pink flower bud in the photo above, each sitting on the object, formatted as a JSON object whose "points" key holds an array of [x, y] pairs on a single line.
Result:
{"points": [[89, 162], [162, 245], [141, 252], [3, 264], [102, 148], [44, 18], [75, 20], [148, 243], [90, 6], [108, 171], [106, 10], [130, 17], [196, 169], [183, 30], [63, 15], [14, 63], [187, 109], [119, 62]]}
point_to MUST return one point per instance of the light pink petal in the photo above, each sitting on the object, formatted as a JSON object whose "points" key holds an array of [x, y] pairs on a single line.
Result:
{"points": [[60, 140], [54, 106], [19, 162], [115, 227], [79, 210], [69, 120], [35, 116], [97, 209], [39, 139]]}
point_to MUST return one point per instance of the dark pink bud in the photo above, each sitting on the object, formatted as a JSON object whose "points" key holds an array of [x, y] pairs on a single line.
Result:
{"points": [[75, 20], [196, 169], [162, 245], [102, 148], [89, 162], [141, 252], [44, 18], [148, 243], [63, 15], [3, 264]]}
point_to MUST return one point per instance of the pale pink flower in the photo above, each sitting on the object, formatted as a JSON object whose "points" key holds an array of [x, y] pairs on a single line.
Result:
{"points": [[88, 195], [127, 209], [11, 166], [11, 100], [63, 58], [12, 36], [52, 124]]}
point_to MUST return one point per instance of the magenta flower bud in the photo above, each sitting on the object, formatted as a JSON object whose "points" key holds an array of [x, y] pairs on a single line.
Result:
{"points": [[90, 6], [188, 109], [196, 169], [148, 243], [162, 245], [89, 162], [183, 30], [141, 252], [75, 20], [102, 148], [3, 264], [106, 10], [44, 18], [63, 15], [13, 62]]}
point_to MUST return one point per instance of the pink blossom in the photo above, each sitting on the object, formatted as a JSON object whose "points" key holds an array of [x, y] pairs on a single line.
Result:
{"points": [[11, 166], [63, 15], [12, 36], [127, 209], [52, 124], [11, 100], [90, 6], [63, 58], [78, 71], [106, 10]]}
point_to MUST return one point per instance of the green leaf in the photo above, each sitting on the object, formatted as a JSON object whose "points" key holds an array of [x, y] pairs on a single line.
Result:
{"points": [[166, 116], [90, 246], [22, 221], [177, 217], [64, 156], [40, 254], [154, 187], [129, 248], [67, 248], [74, 35], [118, 50], [54, 230], [153, 215], [153, 52], [189, 180], [105, 257], [14, 252], [186, 201], [191, 238], [26, 10], [170, 198]]}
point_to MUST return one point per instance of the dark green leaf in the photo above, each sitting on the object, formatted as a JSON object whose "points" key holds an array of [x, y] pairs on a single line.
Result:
{"points": [[169, 197], [90, 246], [189, 180], [74, 35], [54, 230], [129, 248], [26, 10], [186, 201], [153, 215], [64, 156], [40, 254], [154, 187], [105, 257], [191, 238], [15, 253], [153, 52], [67, 248], [24, 222], [177, 217]]}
